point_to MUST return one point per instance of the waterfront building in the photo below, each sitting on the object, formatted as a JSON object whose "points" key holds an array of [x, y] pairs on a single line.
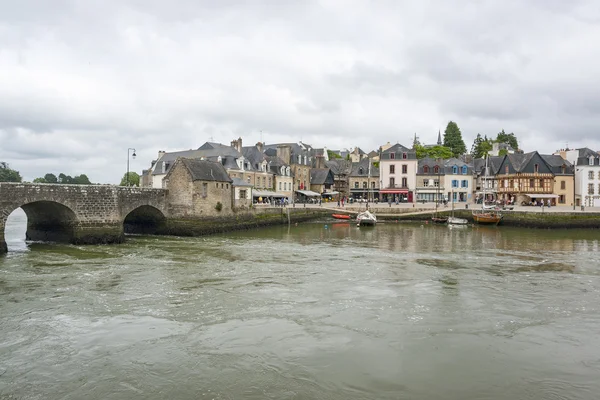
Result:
{"points": [[322, 182], [458, 180], [299, 156], [526, 178], [341, 169], [198, 188], [587, 175], [480, 183], [564, 178], [398, 173], [430, 180], [364, 180]]}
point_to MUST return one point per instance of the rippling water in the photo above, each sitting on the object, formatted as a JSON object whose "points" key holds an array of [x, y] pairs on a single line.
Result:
{"points": [[306, 312]]}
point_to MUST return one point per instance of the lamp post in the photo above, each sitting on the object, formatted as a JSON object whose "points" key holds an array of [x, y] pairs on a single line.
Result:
{"points": [[133, 156], [574, 181]]}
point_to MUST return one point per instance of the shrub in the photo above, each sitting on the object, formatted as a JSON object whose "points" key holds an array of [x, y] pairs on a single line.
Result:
{"points": [[219, 206]]}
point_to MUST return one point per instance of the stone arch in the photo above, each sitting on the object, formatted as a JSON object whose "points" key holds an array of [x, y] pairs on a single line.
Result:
{"points": [[47, 221], [144, 219]]}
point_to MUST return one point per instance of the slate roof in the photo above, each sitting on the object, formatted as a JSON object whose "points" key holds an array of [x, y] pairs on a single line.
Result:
{"points": [[203, 170], [254, 156], [238, 182], [431, 163], [398, 149], [494, 163], [339, 166], [320, 176], [364, 164], [556, 163], [455, 162], [520, 161], [584, 156]]}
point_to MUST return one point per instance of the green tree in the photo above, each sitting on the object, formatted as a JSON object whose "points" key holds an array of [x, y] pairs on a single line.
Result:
{"points": [[421, 151], [134, 179], [65, 179], [439, 152], [453, 139], [39, 180], [502, 152], [81, 180], [509, 138], [7, 174], [332, 155], [481, 146], [50, 178]]}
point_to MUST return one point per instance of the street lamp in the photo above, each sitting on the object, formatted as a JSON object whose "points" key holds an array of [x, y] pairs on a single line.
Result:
{"points": [[133, 156]]}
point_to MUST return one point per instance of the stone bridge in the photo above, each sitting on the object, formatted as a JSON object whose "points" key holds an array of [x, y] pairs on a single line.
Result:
{"points": [[82, 214]]}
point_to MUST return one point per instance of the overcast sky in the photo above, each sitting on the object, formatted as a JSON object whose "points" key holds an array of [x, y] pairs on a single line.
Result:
{"points": [[82, 81]]}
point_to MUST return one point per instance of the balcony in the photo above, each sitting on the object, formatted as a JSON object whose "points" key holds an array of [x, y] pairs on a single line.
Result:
{"points": [[525, 190]]}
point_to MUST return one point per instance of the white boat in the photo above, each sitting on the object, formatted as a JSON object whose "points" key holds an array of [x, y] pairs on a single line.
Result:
{"points": [[452, 220], [366, 218]]}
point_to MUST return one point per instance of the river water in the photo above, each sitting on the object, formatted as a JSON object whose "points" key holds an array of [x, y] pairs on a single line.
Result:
{"points": [[304, 312]]}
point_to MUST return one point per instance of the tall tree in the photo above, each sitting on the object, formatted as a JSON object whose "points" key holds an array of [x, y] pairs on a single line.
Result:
{"points": [[50, 178], [481, 146], [509, 138], [453, 139], [134, 179], [82, 180], [7, 174], [433, 152]]}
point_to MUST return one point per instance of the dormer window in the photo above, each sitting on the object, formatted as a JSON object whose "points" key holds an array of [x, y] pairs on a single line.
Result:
{"points": [[455, 170], [591, 160], [426, 169], [360, 171], [436, 170], [404, 156], [563, 169], [464, 170], [536, 168], [392, 156]]}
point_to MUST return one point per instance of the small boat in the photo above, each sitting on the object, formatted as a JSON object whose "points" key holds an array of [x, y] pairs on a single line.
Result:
{"points": [[366, 218], [452, 220], [340, 216], [439, 220], [487, 218]]}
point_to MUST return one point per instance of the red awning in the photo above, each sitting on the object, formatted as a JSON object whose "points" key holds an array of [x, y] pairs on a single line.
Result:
{"points": [[394, 191]]}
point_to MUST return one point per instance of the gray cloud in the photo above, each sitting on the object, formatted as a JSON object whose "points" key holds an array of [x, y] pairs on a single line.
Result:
{"points": [[83, 81]]}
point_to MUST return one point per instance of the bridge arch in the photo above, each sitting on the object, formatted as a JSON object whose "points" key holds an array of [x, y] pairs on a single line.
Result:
{"points": [[47, 221], [145, 219]]}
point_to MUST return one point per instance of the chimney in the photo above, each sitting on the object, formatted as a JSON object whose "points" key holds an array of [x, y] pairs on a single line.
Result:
{"points": [[320, 161], [239, 142], [260, 146], [284, 152], [160, 154]]}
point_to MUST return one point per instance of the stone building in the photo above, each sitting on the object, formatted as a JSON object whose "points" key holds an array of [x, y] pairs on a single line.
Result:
{"points": [[430, 180], [198, 188], [321, 180], [364, 180], [458, 181], [587, 175]]}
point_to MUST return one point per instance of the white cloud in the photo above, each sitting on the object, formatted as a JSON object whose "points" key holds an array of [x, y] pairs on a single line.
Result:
{"points": [[83, 81]]}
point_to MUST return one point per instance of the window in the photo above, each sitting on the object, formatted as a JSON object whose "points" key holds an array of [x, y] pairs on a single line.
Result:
{"points": [[227, 186], [454, 183], [590, 188], [204, 189], [404, 168], [372, 185], [561, 199], [392, 182], [392, 156], [455, 170], [563, 169], [591, 175], [404, 182], [531, 183], [536, 168], [242, 193], [541, 183], [248, 179], [425, 182], [355, 185], [404, 156], [436, 170], [392, 169], [364, 185], [285, 186], [360, 171], [464, 170], [464, 183], [436, 183], [279, 185], [591, 160], [270, 182], [426, 169], [506, 169], [563, 185]]}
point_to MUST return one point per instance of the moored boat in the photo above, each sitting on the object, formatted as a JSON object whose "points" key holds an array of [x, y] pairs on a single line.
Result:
{"points": [[487, 218], [457, 221], [340, 216], [439, 220], [366, 218]]}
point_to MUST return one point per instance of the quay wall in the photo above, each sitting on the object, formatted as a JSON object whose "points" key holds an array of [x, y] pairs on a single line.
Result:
{"points": [[238, 221], [524, 219]]}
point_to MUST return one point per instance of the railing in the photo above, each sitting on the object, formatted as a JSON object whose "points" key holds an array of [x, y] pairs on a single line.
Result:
{"points": [[522, 190]]}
